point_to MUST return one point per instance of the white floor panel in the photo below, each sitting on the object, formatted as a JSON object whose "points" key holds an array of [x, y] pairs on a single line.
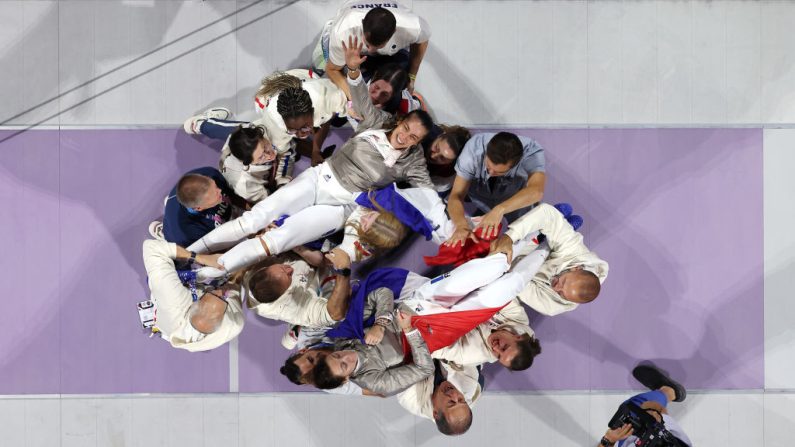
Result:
{"points": [[149, 421], [779, 213], [779, 418], [562, 419], [545, 63]]}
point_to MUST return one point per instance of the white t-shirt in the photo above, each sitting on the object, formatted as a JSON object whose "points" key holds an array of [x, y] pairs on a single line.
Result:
{"points": [[410, 28]]}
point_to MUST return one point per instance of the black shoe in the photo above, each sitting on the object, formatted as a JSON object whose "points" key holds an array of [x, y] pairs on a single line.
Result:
{"points": [[654, 378]]}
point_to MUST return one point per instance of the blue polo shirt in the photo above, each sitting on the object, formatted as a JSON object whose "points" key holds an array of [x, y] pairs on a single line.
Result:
{"points": [[183, 226], [471, 165]]}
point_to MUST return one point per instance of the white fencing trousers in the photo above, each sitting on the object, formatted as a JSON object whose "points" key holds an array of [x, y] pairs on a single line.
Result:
{"points": [[508, 286], [302, 227], [477, 284], [315, 186]]}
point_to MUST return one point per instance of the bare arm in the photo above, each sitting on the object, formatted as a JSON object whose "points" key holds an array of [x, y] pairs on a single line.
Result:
{"points": [[203, 259], [372, 117], [337, 305], [455, 209], [417, 53], [366, 392], [317, 143], [312, 257], [336, 75], [532, 193]]}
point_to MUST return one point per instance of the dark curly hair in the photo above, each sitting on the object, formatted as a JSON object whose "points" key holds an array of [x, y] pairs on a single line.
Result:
{"points": [[529, 347]]}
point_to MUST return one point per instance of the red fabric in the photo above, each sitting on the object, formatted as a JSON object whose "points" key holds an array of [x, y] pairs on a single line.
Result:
{"points": [[459, 254], [443, 329]]}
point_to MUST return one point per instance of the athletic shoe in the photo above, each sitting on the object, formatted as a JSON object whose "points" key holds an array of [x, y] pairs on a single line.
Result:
{"points": [[575, 221], [564, 209], [654, 378], [156, 230], [194, 123]]}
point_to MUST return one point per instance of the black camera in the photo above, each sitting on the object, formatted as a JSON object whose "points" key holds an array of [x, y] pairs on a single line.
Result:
{"points": [[645, 427]]}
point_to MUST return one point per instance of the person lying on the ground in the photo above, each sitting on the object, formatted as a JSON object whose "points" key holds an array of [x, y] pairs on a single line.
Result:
{"points": [[571, 276], [194, 318]]}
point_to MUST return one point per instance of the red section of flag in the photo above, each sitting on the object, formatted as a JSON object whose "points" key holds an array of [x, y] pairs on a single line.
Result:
{"points": [[459, 254], [443, 329]]}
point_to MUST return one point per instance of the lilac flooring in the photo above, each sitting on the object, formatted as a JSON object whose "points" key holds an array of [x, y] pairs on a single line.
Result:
{"points": [[677, 213]]}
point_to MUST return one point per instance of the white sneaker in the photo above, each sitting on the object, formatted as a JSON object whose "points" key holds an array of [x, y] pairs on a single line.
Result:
{"points": [[193, 123], [156, 230]]}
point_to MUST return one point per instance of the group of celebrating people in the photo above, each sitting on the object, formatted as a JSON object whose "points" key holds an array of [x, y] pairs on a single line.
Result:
{"points": [[248, 234]]}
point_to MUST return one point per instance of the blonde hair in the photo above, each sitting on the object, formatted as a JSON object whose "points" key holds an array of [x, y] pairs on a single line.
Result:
{"points": [[276, 82], [386, 232]]}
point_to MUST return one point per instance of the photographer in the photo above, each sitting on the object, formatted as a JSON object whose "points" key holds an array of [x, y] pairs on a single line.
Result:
{"points": [[643, 420]]}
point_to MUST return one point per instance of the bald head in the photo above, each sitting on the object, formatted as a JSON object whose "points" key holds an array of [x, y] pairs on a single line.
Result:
{"points": [[577, 285], [207, 313]]}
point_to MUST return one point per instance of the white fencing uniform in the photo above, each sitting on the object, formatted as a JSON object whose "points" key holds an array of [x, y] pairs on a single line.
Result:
{"points": [[328, 101], [315, 186], [302, 227], [300, 304], [173, 300], [567, 250], [473, 348], [417, 398], [250, 182]]}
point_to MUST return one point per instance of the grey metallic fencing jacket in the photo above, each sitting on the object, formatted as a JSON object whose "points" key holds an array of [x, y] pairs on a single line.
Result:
{"points": [[358, 166]]}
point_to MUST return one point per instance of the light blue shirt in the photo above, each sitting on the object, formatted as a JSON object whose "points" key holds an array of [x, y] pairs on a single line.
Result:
{"points": [[471, 165]]}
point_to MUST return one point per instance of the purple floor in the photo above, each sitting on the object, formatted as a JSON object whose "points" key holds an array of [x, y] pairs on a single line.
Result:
{"points": [[677, 214]]}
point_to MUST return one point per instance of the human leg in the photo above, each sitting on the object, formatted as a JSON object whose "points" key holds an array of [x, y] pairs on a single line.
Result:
{"points": [[218, 129], [306, 226], [193, 123], [655, 378], [499, 292], [291, 198]]}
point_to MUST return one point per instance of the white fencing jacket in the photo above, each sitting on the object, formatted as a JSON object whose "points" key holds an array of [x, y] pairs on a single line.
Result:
{"points": [[567, 251], [173, 300]]}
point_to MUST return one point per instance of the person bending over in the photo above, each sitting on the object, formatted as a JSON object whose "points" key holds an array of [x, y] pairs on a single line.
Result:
{"points": [[572, 275], [502, 174], [388, 29]]}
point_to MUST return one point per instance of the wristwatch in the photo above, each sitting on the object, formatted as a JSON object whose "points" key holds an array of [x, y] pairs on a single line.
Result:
{"points": [[606, 442], [342, 272], [192, 257]]}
